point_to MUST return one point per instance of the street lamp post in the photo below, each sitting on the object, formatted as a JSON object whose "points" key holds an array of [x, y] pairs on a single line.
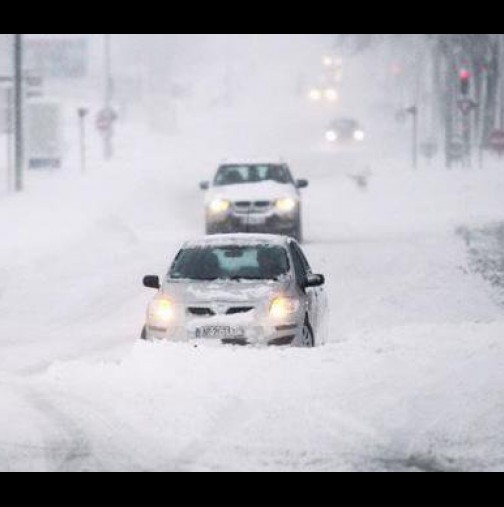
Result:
{"points": [[501, 80], [82, 112], [413, 111], [109, 89], [9, 131], [18, 112]]}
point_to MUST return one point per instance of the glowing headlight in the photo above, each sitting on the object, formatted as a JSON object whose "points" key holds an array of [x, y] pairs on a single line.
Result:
{"points": [[282, 307], [218, 206], [161, 310], [331, 95], [331, 136], [286, 205], [327, 61], [359, 135], [315, 95]]}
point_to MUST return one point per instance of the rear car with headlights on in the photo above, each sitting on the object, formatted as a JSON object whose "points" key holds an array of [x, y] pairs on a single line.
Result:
{"points": [[239, 289], [345, 131], [254, 198]]}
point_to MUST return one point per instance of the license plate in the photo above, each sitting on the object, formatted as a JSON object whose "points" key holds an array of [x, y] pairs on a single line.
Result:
{"points": [[256, 220], [219, 332]]}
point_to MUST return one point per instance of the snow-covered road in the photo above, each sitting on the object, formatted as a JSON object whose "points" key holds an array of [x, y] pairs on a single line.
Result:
{"points": [[411, 379]]}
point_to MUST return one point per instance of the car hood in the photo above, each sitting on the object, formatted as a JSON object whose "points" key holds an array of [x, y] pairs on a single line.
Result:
{"points": [[189, 293], [263, 191]]}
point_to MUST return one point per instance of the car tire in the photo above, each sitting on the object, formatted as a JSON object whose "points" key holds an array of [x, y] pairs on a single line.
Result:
{"points": [[143, 334], [307, 336]]}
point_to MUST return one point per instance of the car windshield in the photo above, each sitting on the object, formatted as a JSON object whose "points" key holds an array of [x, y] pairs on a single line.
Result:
{"points": [[231, 263], [345, 125], [254, 173]]}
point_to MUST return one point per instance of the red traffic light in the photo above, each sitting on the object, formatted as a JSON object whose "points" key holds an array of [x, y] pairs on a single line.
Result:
{"points": [[465, 75], [465, 81]]}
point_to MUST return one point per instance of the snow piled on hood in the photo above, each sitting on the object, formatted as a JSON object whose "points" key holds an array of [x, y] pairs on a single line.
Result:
{"points": [[261, 191]]}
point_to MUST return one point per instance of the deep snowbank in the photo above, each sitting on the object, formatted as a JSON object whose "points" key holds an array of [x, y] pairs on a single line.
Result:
{"points": [[411, 379]]}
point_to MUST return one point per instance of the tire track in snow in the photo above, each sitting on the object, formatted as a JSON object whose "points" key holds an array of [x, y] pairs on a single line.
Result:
{"points": [[422, 450], [64, 445], [67, 444]]}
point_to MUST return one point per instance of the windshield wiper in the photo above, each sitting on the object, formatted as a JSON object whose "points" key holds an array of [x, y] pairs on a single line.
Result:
{"points": [[238, 278]]}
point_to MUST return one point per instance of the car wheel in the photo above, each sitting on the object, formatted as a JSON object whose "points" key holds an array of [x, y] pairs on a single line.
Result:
{"points": [[307, 338], [143, 335]]}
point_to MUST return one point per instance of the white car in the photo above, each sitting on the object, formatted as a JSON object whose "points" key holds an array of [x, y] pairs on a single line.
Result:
{"points": [[254, 198], [239, 289], [345, 131]]}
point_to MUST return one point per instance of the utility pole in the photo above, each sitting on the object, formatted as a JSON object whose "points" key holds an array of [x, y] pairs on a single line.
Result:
{"points": [[18, 112], [501, 80], [9, 131], [82, 113], [109, 90], [413, 111]]}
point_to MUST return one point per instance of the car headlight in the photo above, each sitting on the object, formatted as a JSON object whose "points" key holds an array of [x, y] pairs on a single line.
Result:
{"points": [[315, 95], [331, 136], [331, 95], [286, 205], [218, 206], [359, 135], [161, 310], [327, 61], [283, 307]]}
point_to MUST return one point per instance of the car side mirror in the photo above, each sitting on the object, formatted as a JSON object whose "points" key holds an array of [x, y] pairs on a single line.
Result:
{"points": [[302, 184], [313, 281], [205, 185], [152, 282]]}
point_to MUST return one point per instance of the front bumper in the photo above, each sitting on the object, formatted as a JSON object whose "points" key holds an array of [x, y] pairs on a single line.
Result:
{"points": [[253, 331], [257, 223]]}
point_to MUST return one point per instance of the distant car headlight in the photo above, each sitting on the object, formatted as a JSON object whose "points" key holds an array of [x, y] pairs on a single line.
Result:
{"points": [[315, 95], [283, 307], [287, 205], [327, 61], [331, 95], [331, 136], [359, 135], [161, 311], [219, 206]]}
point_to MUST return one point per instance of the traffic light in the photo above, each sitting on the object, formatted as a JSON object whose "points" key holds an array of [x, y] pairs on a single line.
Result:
{"points": [[465, 81]]}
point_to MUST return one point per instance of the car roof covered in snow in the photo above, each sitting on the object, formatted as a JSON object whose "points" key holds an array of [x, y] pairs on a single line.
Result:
{"points": [[237, 240], [256, 161]]}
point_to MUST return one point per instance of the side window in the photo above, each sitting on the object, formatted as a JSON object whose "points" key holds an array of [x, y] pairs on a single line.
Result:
{"points": [[299, 267]]}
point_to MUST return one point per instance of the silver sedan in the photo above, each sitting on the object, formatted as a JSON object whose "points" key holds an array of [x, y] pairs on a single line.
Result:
{"points": [[239, 289]]}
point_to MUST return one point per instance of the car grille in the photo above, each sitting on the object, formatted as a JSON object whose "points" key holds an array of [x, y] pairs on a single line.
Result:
{"points": [[247, 207], [209, 312], [201, 312], [239, 309]]}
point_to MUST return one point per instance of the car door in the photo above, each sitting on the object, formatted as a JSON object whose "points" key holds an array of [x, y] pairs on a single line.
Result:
{"points": [[317, 293], [302, 270]]}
